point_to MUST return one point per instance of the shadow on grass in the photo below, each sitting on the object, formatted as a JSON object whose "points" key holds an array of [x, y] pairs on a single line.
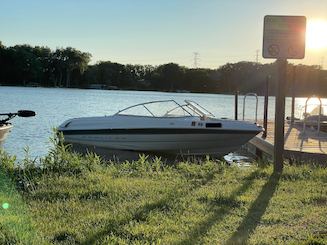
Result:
{"points": [[256, 211], [115, 227], [197, 233]]}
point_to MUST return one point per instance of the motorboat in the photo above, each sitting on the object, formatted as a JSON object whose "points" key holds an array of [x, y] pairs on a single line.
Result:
{"points": [[6, 126], [166, 127]]}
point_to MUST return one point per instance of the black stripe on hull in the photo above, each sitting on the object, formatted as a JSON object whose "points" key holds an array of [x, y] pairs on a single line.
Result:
{"points": [[158, 131]]}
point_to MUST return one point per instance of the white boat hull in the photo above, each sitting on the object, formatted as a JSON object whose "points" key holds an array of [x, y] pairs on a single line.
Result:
{"points": [[4, 130], [186, 144], [184, 136]]}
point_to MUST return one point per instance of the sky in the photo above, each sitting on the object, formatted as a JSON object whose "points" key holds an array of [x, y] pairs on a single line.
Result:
{"points": [[154, 31]]}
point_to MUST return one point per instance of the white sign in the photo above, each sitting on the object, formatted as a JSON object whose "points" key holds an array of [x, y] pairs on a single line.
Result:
{"points": [[284, 37]]}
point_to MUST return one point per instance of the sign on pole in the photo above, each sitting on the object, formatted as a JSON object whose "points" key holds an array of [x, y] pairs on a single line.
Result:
{"points": [[283, 38]]}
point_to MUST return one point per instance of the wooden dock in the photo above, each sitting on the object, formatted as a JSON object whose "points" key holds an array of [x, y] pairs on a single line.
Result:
{"points": [[308, 145]]}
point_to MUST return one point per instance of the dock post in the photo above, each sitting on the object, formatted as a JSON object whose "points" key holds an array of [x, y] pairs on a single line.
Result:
{"points": [[280, 115], [236, 105], [265, 112], [293, 94]]}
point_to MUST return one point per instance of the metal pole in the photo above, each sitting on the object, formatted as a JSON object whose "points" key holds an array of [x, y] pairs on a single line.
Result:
{"points": [[293, 94], [236, 104], [256, 109], [265, 112], [319, 117], [280, 115]]}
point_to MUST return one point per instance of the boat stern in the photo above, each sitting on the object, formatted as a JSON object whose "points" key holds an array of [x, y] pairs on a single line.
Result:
{"points": [[4, 130]]}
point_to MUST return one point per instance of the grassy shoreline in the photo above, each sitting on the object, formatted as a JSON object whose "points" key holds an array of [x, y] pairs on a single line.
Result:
{"points": [[74, 199]]}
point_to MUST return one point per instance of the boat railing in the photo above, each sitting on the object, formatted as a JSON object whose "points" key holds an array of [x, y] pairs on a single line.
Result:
{"points": [[198, 108], [306, 113], [190, 108], [256, 105], [144, 105]]}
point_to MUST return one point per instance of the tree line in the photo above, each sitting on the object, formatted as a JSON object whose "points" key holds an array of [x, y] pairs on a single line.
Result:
{"points": [[24, 65]]}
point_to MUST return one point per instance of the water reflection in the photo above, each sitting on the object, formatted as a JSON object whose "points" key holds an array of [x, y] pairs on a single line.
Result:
{"points": [[240, 158]]}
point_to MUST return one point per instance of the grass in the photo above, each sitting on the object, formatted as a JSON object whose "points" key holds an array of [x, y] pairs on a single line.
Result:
{"points": [[89, 201], [15, 219]]}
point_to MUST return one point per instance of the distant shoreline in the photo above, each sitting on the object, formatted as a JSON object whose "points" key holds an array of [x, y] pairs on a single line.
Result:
{"points": [[141, 90], [131, 90]]}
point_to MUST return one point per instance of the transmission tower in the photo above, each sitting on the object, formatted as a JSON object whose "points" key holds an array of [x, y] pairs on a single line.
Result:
{"points": [[257, 56], [322, 60], [196, 59]]}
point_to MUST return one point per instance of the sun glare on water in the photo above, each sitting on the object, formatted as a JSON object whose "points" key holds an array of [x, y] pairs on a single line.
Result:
{"points": [[316, 34]]}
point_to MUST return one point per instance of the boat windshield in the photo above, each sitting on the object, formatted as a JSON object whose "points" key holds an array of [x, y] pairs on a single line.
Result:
{"points": [[166, 108]]}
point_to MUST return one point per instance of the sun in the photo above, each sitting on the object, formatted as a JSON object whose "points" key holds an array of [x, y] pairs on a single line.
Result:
{"points": [[316, 34]]}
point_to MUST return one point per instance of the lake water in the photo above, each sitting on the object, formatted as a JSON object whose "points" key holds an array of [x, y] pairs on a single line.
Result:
{"points": [[55, 105]]}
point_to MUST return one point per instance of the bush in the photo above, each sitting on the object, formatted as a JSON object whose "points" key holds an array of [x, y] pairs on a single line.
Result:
{"points": [[63, 161], [60, 160], [7, 162]]}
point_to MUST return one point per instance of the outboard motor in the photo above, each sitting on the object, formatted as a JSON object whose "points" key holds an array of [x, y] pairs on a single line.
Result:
{"points": [[20, 113]]}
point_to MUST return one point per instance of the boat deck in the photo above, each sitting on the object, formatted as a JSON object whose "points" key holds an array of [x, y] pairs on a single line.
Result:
{"points": [[308, 145]]}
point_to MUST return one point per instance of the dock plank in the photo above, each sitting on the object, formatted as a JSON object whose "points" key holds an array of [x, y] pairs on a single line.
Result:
{"points": [[296, 139], [307, 144]]}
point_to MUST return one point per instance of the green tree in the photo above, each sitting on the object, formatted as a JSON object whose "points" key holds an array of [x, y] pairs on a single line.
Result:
{"points": [[170, 76], [43, 62], [68, 60], [198, 80], [110, 73]]}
